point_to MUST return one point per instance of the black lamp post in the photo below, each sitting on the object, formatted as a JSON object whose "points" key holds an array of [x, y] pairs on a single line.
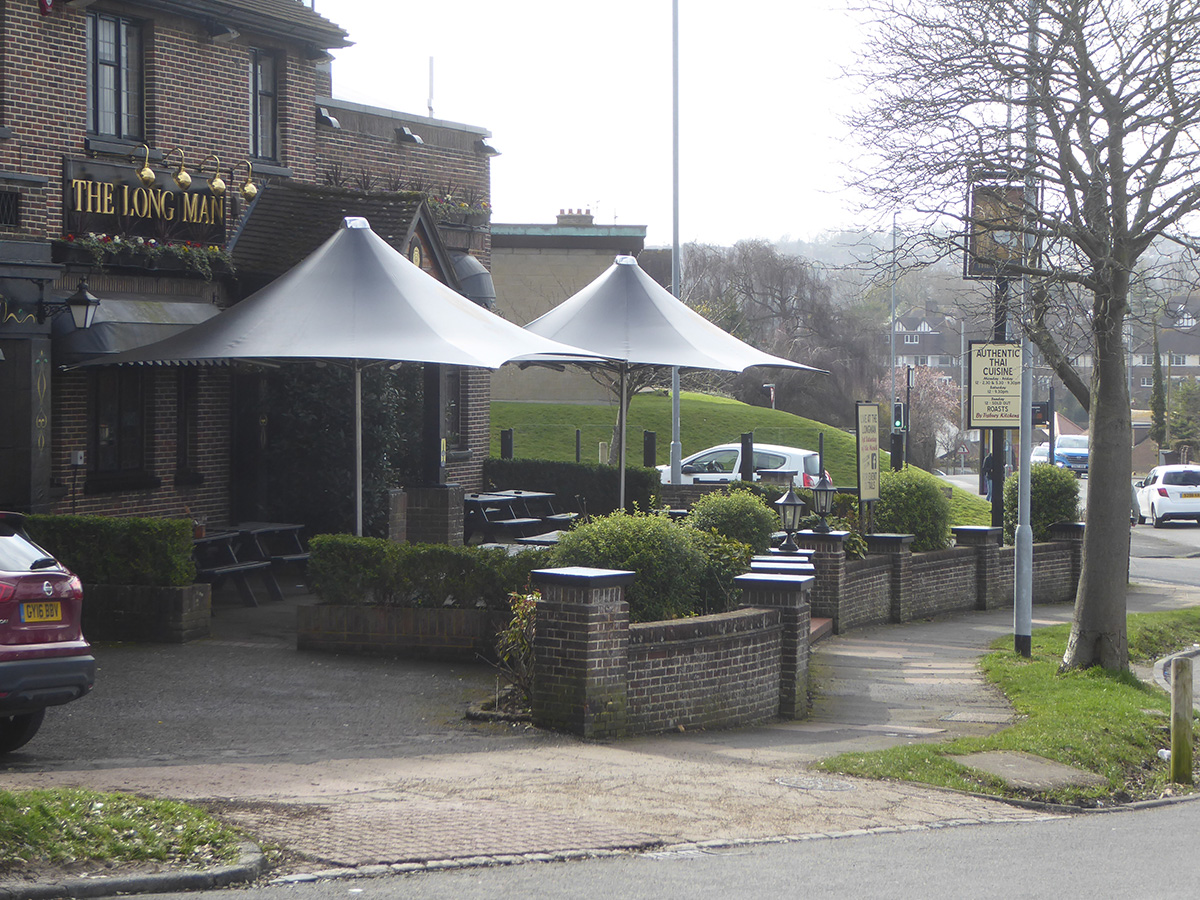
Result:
{"points": [[823, 492], [790, 509]]}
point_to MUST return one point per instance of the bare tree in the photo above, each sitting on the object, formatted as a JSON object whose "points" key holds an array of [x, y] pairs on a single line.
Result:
{"points": [[783, 304], [1109, 91]]}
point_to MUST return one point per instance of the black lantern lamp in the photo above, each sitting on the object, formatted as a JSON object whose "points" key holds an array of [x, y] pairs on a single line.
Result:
{"points": [[823, 492], [82, 305], [791, 508]]}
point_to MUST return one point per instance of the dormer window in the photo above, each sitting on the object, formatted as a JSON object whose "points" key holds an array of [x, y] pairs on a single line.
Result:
{"points": [[1185, 319]]}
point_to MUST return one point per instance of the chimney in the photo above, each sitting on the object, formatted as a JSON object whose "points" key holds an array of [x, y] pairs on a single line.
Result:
{"points": [[573, 218]]}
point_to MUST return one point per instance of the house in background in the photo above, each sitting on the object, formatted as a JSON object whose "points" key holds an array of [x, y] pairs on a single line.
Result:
{"points": [[170, 158]]}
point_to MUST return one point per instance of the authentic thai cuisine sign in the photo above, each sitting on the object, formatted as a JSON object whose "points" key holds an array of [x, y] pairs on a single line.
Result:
{"points": [[107, 199], [995, 385]]}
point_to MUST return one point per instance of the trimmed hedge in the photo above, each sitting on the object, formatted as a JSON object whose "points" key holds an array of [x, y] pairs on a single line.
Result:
{"points": [[348, 570], [109, 550], [598, 485], [1053, 497]]}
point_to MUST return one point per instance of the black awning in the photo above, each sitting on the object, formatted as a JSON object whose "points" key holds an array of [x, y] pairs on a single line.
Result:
{"points": [[123, 324]]}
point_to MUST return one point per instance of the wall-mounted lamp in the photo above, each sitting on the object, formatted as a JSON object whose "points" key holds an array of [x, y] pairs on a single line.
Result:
{"points": [[483, 147], [249, 188], [145, 174], [82, 305], [220, 33], [215, 184], [182, 178], [405, 135]]}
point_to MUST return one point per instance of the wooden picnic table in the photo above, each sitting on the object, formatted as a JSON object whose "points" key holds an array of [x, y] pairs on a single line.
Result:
{"points": [[216, 557]]}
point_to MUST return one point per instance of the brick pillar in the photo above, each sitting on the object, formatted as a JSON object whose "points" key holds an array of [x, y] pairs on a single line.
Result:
{"points": [[1072, 532], [397, 516], [790, 595], [899, 548], [986, 541], [829, 559], [435, 515], [581, 651]]}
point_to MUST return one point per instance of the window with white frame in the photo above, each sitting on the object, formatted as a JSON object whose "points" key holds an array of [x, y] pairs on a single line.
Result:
{"points": [[1147, 382], [114, 74], [1147, 359], [912, 339], [1178, 359], [1185, 320]]}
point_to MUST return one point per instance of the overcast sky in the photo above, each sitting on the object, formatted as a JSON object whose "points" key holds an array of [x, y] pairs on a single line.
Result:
{"points": [[577, 96]]}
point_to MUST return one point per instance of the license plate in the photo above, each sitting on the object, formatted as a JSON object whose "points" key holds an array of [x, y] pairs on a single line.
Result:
{"points": [[1191, 495], [41, 612]]}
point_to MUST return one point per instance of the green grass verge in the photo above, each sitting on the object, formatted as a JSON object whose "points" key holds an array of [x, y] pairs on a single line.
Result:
{"points": [[1105, 722], [75, 826], [547, 431]]}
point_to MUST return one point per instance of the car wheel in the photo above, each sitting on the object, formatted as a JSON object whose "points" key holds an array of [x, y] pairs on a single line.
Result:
{"points": [[1156, 518], [17, 731]]}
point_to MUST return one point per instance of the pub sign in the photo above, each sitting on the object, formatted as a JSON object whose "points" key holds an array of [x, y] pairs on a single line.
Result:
{"points": [[101, 198]]}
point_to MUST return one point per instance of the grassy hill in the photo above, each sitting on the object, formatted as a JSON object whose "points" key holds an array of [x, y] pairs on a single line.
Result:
{"points": [[547, 431]]}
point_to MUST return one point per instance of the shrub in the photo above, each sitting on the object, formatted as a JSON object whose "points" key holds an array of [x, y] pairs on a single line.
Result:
{"points": [[666, 558], [739, 515], [724, 559], [514, 644], [353, 570], [912, 502], [1053, 497], [111, 550]]}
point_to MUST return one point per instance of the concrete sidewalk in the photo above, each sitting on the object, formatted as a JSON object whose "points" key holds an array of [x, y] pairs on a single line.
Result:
{"points": [[545, 796]]}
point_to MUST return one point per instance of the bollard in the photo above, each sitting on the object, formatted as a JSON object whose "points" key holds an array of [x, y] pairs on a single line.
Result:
{"points": [[649, 449], [506, 444], [578, 445], [1181, 720]]}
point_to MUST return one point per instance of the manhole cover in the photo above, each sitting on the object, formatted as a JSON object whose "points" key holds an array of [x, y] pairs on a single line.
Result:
{"points": [[813, 783]]}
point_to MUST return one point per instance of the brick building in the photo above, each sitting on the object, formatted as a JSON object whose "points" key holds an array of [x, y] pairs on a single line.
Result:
{"points": [[535, 268], [106, 108]]}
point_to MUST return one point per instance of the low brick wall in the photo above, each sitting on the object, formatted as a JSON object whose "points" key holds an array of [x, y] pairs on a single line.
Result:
{"points": [[451, 634], [715, 671], [601, 677], [141, 613], [893, 584]]}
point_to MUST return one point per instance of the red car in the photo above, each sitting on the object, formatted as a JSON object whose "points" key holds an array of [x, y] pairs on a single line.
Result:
{"points": [[44, 659]]}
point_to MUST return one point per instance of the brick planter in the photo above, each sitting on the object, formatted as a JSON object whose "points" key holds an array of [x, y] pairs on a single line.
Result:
{"points": [[452, 634], [169, 615]]}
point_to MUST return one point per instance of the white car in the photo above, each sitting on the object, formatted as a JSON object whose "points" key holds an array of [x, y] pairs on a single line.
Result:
{"points": [[1169, 492], [1040, 454], [723, 463]]}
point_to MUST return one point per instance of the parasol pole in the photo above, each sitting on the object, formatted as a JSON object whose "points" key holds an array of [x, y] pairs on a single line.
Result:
{"points": [[358, 472], [624, 368]]}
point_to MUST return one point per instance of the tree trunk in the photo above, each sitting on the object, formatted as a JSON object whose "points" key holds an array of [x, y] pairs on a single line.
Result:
{"points": [[1098, 635]]}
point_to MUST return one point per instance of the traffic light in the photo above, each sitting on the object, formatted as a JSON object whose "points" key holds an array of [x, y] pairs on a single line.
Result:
{"points": [[898, 418]]}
